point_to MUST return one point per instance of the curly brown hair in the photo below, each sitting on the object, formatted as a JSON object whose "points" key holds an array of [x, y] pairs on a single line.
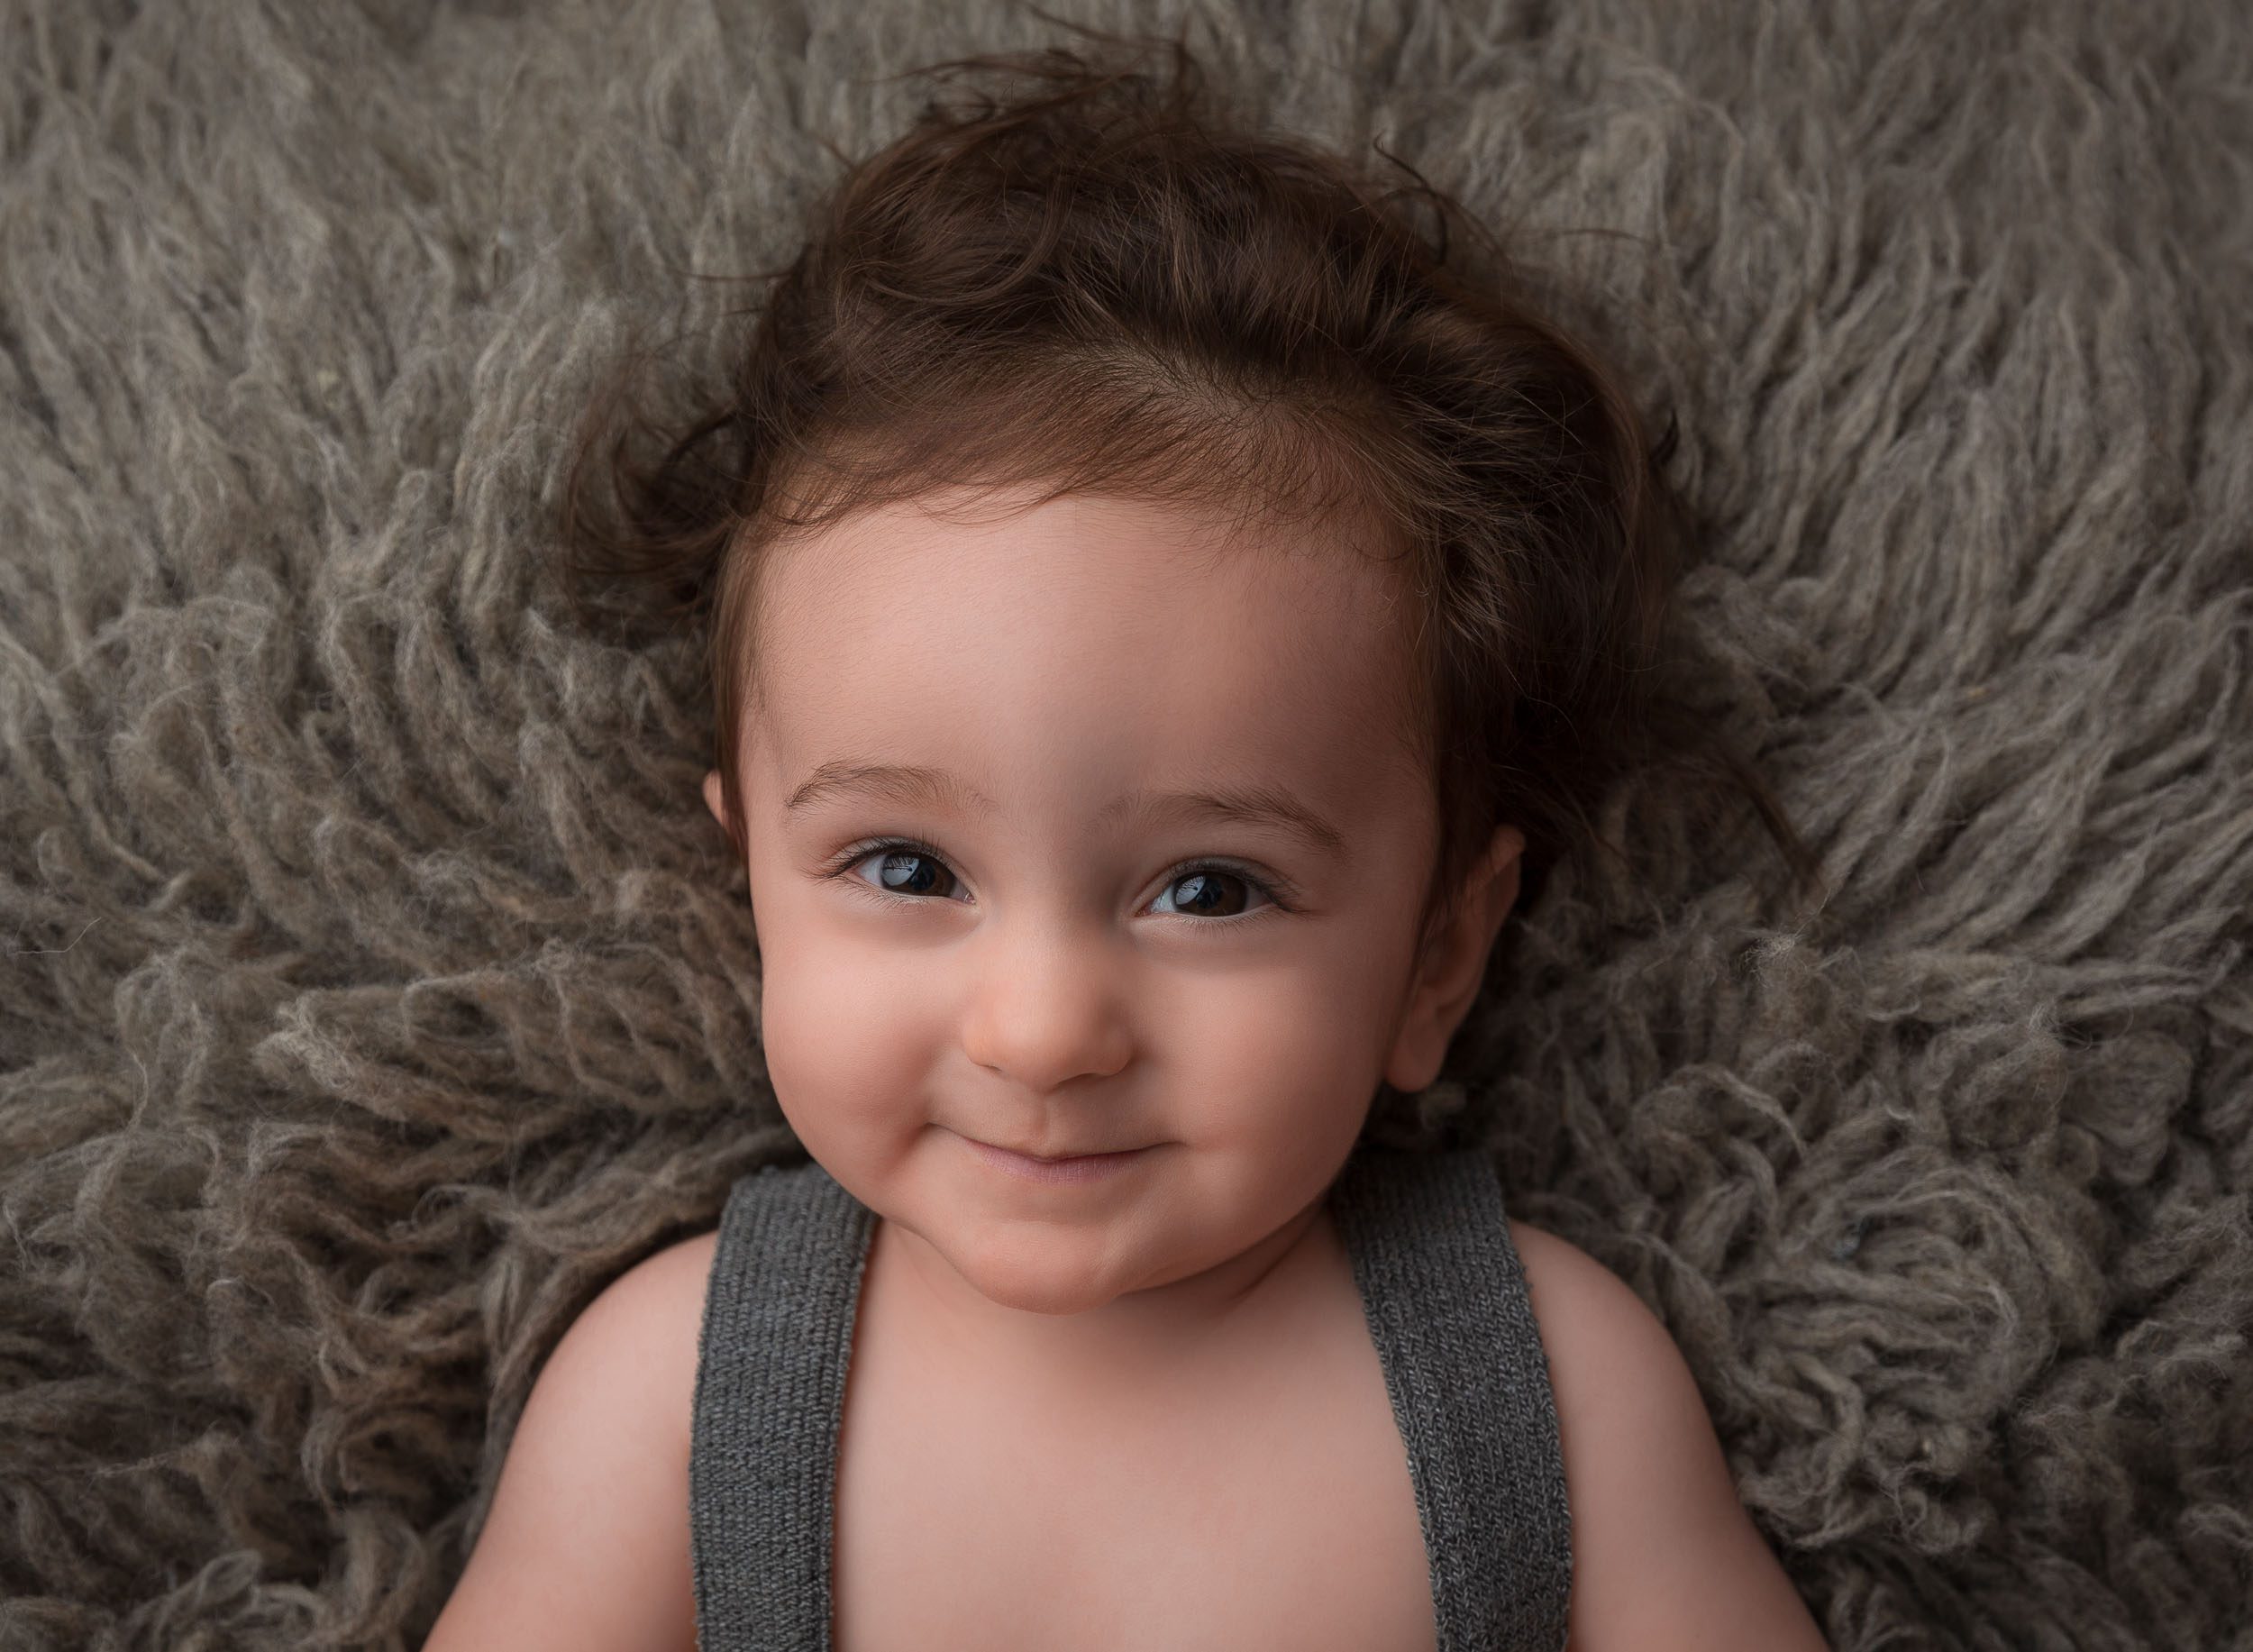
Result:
{"points": [[1092, 279]]}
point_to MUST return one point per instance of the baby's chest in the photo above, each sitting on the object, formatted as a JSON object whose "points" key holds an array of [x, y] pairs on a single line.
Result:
{"points": [[1282, 1517]]}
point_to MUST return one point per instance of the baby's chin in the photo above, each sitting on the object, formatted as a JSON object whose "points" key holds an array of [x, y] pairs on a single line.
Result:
{"points": [[1031, 1271], [1055, 1297]]}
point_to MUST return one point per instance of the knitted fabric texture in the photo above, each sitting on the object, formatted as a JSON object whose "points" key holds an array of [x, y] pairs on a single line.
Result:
{"points": [[1454, 1325], [1447, 1308], [770, 1404]]}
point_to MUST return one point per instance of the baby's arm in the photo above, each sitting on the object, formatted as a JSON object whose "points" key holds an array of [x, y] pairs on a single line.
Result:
{"points": [[586, 1543], [1665, 1557]]}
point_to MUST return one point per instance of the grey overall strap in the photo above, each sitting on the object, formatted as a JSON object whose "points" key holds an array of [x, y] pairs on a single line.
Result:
{"points": [[1453, 1320], [770, 1404]]}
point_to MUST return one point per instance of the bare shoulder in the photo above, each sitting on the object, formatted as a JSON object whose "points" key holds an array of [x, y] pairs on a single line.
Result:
{"points": [[653, 1315], [1590, 1320], [585, 1545], [662, 1313], [677, 1276], [1664, 1555]]}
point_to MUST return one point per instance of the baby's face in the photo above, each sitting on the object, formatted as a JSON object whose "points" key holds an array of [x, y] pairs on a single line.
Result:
{"points": [[1086, 952]]}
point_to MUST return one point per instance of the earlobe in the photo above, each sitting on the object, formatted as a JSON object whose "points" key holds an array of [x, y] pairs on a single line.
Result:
{"points": [[715, 799]]}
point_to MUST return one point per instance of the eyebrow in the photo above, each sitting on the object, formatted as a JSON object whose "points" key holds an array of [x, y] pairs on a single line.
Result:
{"points": [[937, 788]]}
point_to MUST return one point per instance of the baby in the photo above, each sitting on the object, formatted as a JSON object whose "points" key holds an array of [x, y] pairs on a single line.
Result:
{"points": [[1160, 598]]}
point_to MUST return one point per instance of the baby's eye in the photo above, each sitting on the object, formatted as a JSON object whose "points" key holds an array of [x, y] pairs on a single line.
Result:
{"points": [[902, 870], [1200, 889], [1209, 893]]}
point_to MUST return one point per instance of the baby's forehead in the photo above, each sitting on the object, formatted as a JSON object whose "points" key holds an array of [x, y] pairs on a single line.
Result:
{"points": [[1077, 629], [1075, 600], [1016, 528], [909, 569]]}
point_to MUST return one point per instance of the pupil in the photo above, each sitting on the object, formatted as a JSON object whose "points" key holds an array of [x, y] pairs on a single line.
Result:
{"points": [[916, 886], [1205, 885]]}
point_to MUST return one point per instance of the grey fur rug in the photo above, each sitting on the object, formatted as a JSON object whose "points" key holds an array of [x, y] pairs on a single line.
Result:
{"points": [[377, 987]]}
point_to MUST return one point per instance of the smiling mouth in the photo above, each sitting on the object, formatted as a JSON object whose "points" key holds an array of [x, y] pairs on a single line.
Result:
{"points": [[1070, 1169], [1059, 1158]]}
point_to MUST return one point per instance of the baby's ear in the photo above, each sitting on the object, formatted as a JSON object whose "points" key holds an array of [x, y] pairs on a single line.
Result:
{"points": [[1452, 966], [716, 799], [1508, 851]]}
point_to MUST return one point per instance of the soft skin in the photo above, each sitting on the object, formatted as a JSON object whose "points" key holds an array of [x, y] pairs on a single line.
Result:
{"points": [[1056, 980], [1039, 985]]}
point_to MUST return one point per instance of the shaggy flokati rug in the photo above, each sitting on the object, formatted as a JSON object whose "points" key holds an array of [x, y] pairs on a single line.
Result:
{"points": [[376, 987]]}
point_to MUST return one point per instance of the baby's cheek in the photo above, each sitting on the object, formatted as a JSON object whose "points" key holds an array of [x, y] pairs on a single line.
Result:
{"points": [[836, 1055], [1284, 1057]]}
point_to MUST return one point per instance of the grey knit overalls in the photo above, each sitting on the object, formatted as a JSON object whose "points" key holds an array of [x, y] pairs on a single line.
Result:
{"points": [[1447, 1308]]}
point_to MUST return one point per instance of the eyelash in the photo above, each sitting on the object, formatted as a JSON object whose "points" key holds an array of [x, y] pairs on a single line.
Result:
{"points": [[842, 864]]}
